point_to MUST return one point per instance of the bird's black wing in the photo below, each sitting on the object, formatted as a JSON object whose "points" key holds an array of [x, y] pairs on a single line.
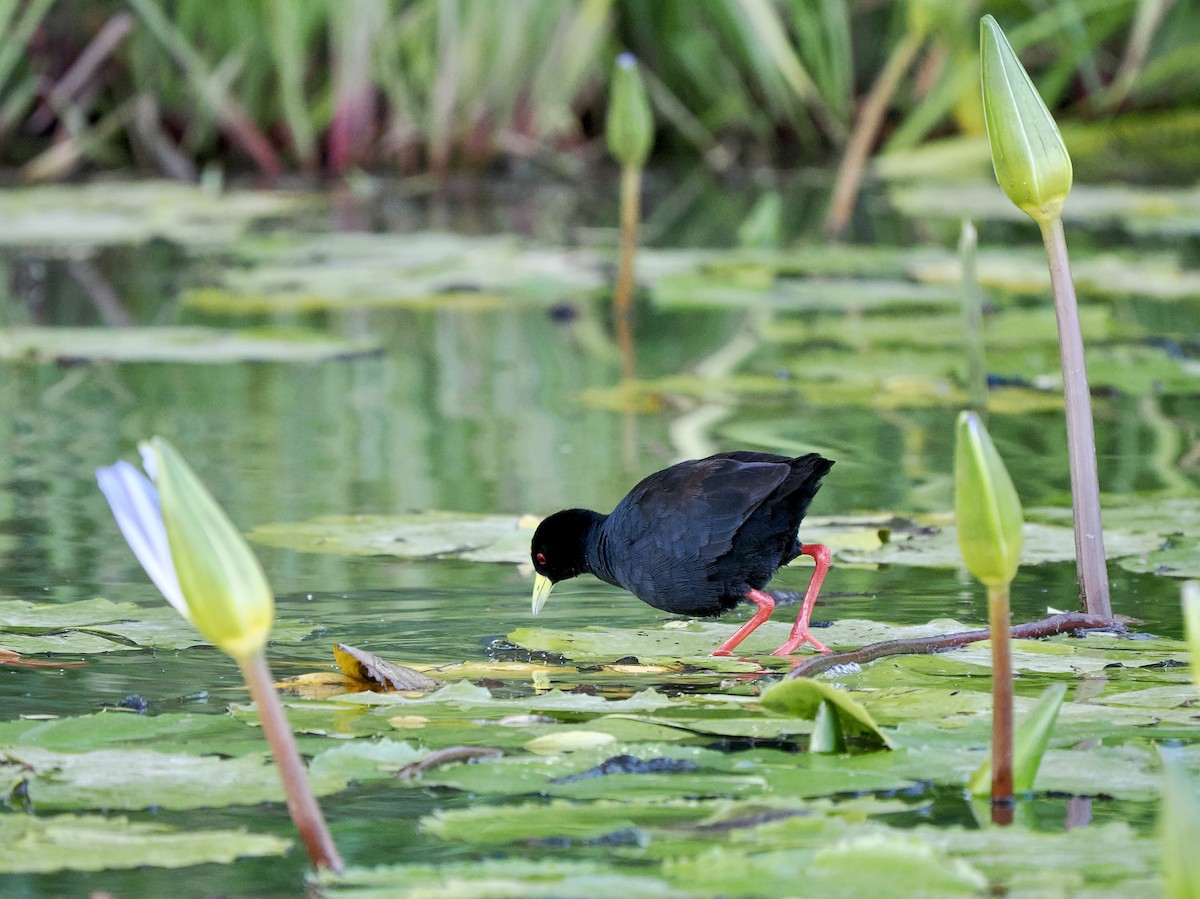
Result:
{"points": [[695, 508]]}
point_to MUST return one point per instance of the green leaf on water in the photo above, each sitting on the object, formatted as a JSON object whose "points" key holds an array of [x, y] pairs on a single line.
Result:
{"points": [[360, 760], [692, 640], [557, 819], [200, 734], [183, 344], [353, 270], [534, 878], [112, 213], [858, 867], [804, 697], [99, 625], [500, 538], [127, 779], [30, 844], [1141, 210]]}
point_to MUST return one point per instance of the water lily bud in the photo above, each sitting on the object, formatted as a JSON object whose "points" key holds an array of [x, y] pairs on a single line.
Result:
{"points": [[987, 510], [1028, 153], [629, 127], [191, 549], [226, 590], [1191, 625]]}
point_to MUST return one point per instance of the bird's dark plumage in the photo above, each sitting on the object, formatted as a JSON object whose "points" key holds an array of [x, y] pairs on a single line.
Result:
{"points": [[695, 538]]}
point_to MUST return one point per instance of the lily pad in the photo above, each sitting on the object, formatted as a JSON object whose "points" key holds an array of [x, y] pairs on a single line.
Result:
{"points": [[99, 625], [191, 344], [803, 696], [140, 778], [936, 546], [1146, 210], [693, 640], [110, 213], [30, 844], [422, 536], [499, 878], [345, 270]]}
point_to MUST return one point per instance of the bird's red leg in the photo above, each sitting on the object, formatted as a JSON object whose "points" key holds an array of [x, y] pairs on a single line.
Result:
{"points": [[800, 634], [766, 605]]}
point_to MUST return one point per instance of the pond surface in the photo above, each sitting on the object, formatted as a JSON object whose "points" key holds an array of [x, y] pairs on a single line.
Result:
{"points": [[473, 404]]}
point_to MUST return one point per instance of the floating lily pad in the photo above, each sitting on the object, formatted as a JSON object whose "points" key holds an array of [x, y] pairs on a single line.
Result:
{"points": [[109, 213], [98, 625], [360, 269], [1146, 210], [190, 344], [479, 537], [884, 863], [195, 733], [30, 844], [140, 778], [694, 640], [534, 878], [937, 546]]}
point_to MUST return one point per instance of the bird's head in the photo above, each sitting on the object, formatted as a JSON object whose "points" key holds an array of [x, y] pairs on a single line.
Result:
{"points": [[559, 550]]}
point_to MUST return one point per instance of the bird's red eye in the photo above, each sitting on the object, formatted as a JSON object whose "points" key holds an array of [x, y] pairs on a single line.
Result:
{"points": [[540, 558]]}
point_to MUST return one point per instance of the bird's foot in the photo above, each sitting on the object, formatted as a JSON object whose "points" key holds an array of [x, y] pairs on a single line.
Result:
{"points": [[721, 653], [796, 641]]}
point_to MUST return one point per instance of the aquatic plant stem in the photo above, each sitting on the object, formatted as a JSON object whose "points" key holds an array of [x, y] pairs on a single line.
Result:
{"points": [[1032, 630], [972, 295], [631, 205], [301, 803], [1081, 438], [1002, 699]]}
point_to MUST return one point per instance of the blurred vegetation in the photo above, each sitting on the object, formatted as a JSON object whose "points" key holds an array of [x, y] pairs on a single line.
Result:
{"points": [[428, 86]]}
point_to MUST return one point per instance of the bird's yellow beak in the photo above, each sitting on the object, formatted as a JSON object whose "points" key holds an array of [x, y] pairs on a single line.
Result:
{"points": [[542, 586]]}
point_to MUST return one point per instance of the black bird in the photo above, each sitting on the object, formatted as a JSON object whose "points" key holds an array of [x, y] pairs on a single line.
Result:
{"points": [[696, 539]]}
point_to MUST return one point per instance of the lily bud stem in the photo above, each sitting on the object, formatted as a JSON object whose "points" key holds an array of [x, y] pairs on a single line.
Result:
{"points": [[1081, 438], [631, 213], [302, 804], [1002, 702]]}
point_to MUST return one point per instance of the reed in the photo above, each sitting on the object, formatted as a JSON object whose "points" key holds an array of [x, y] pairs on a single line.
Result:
{"points": [[435, 85]]}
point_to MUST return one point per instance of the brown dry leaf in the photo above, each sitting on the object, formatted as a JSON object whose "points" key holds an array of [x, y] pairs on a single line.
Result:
{"points": [[11, 657], [364, 666]]}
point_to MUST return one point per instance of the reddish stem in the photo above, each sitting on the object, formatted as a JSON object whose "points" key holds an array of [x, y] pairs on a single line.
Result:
{"points": [[301, 803], [1047, 627]]}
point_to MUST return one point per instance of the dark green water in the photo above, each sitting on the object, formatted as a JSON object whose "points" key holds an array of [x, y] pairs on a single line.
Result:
{"points": [[474, 410]]}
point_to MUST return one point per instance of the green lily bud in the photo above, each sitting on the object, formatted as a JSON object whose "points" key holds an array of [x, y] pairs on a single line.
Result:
{"points": [[629, 127], [191, 549], [986, 507], [1191, 625], [1028, 153]]}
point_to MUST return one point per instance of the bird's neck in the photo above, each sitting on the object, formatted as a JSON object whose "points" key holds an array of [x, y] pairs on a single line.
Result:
{"points": [[596, 548]]}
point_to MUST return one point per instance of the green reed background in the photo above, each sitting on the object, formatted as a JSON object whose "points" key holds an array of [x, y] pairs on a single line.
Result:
{"points": [[429, 86]]}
